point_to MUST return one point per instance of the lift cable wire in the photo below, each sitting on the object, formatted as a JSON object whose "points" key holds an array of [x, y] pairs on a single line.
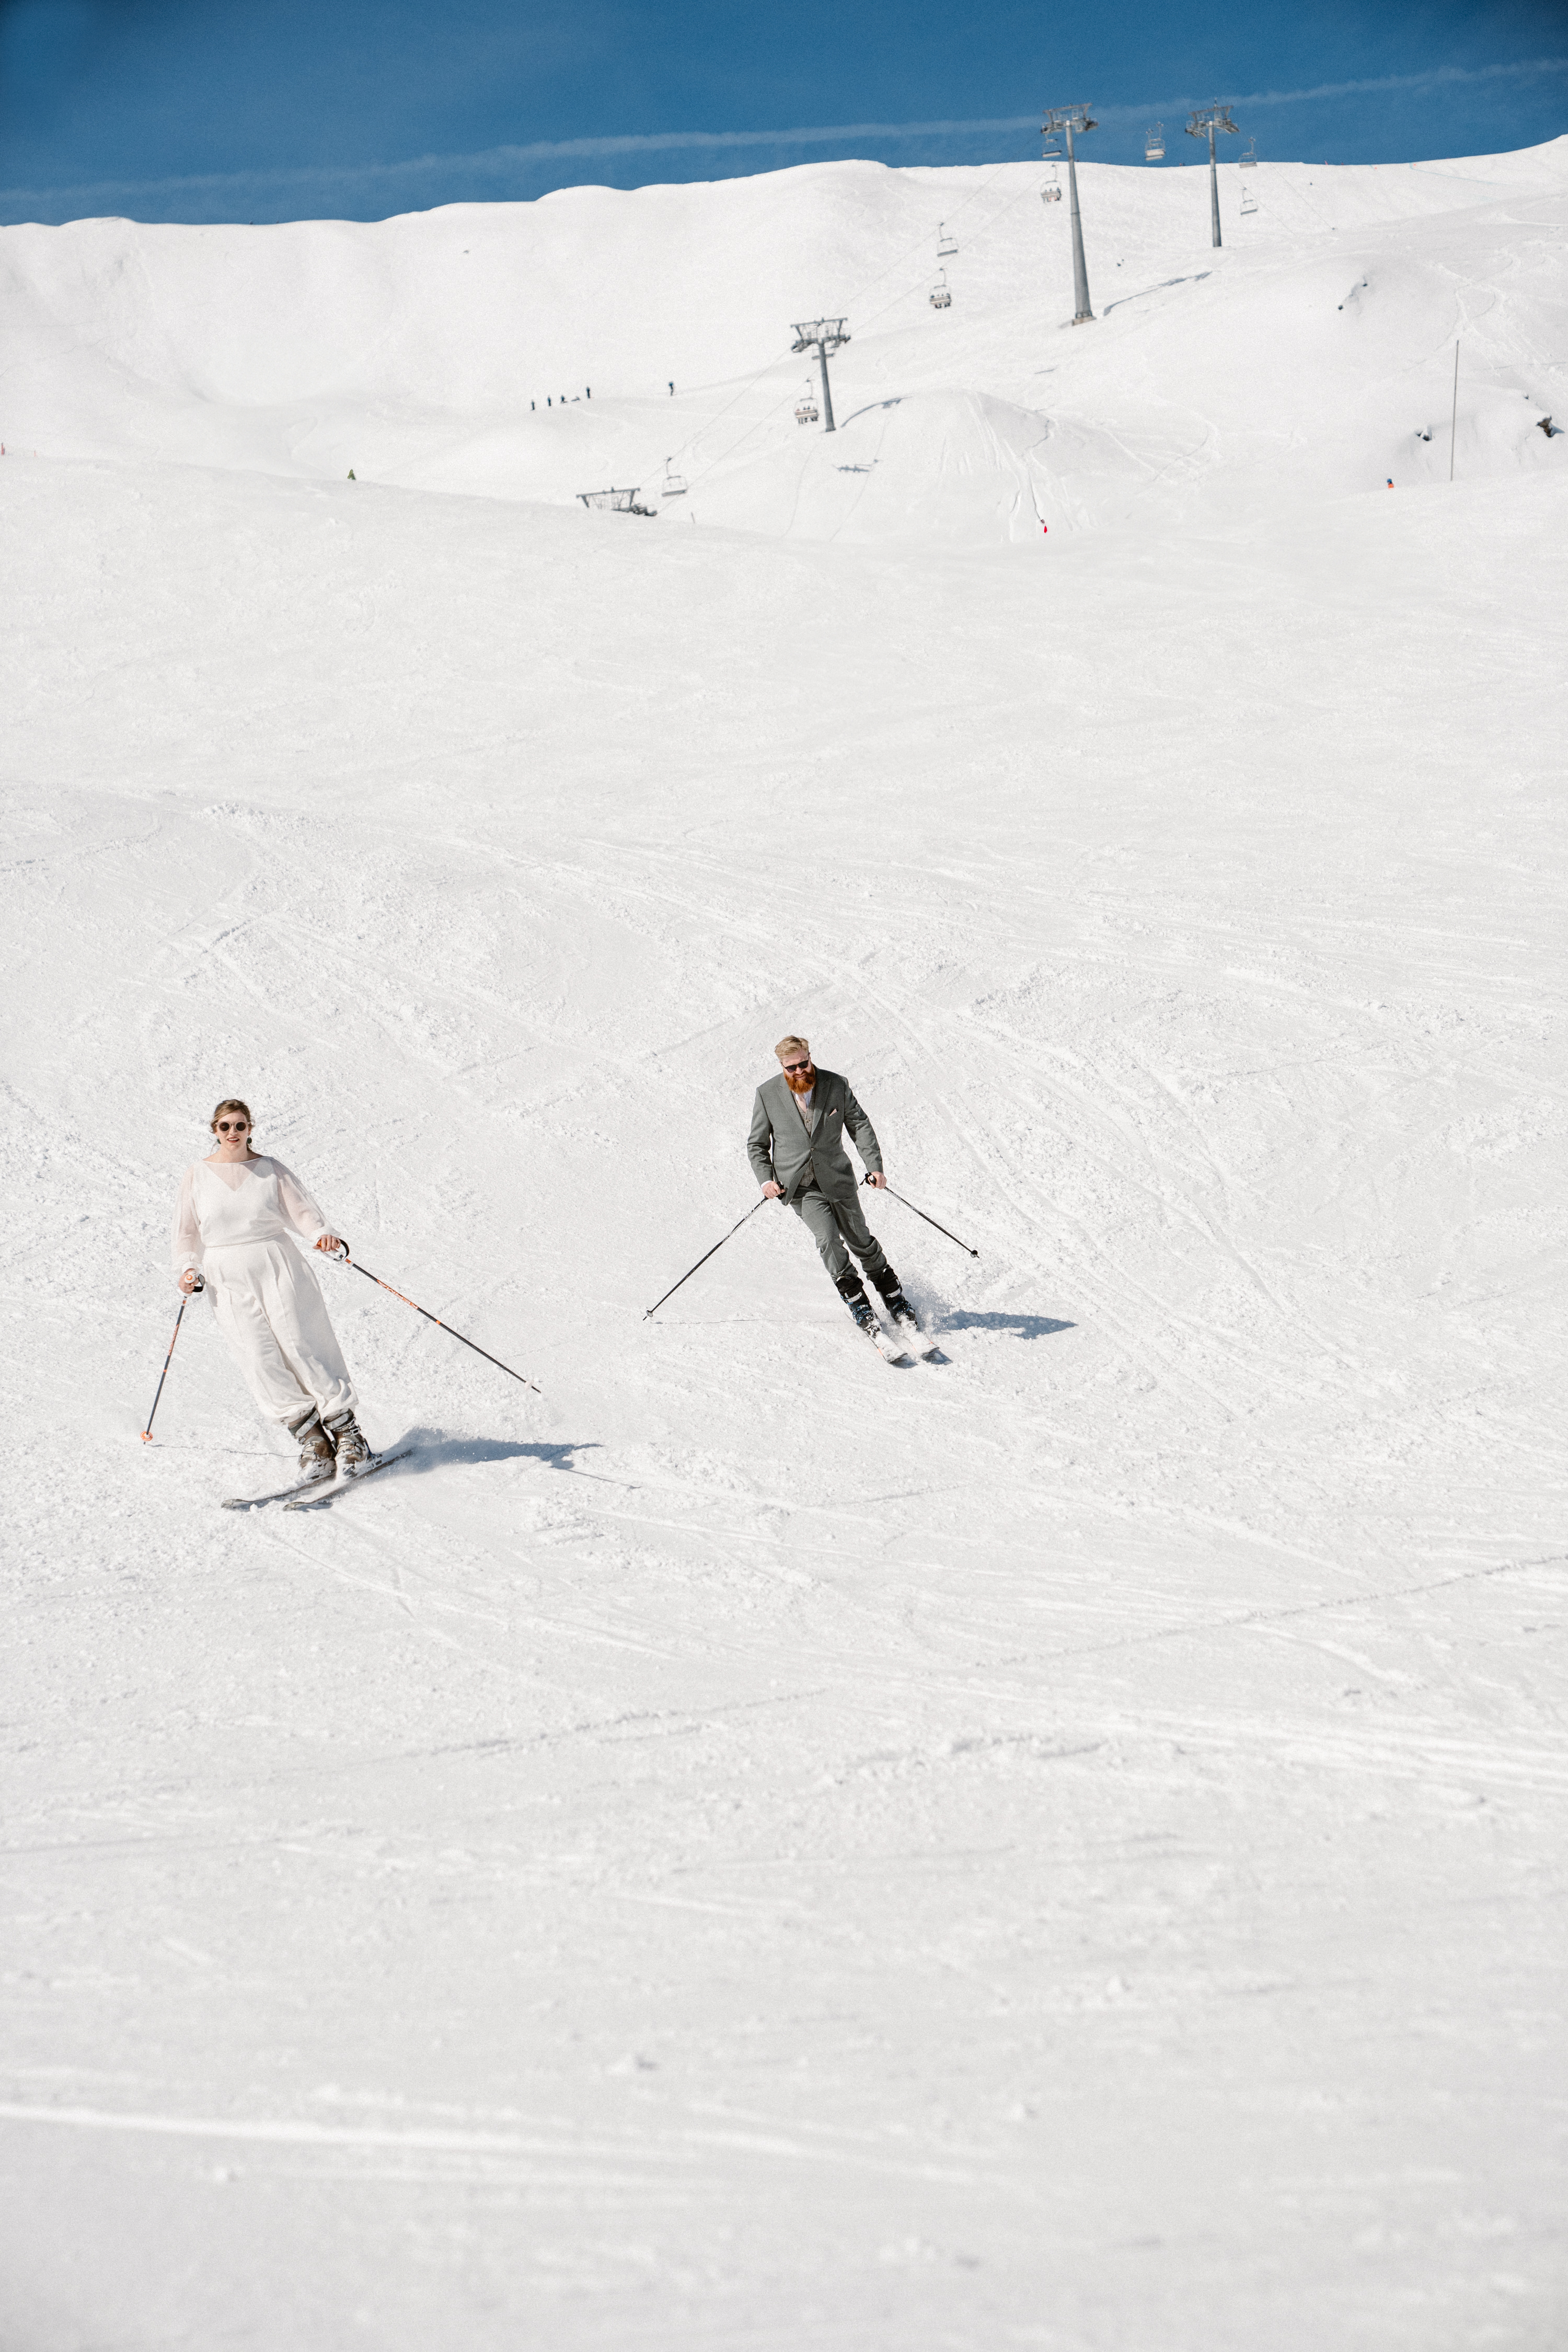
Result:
{"points": [[902, 295], [897, 263]]}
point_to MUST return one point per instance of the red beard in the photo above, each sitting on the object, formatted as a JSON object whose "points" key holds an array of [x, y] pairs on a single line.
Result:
{"points": [[800, 1082]]}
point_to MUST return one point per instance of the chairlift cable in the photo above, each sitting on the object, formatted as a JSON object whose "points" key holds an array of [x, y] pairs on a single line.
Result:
{"points": [[701, 474], [896, 263]]}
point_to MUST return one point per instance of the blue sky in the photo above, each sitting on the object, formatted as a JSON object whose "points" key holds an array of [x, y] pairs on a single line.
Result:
{"points": [[279, 110]]}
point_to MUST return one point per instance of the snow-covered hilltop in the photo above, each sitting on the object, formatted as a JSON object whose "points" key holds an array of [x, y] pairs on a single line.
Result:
{"points": [[1308, 358], [756, 1851]]}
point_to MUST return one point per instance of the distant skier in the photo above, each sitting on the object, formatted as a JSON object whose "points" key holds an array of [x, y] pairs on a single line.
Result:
{"points": [[797, 1151], [234, 1211]]}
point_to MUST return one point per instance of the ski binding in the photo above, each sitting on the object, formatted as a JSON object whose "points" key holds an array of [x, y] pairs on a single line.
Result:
{"points": [[327, 1490]]}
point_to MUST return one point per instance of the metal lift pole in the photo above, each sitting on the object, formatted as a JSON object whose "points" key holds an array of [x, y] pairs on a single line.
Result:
{"points": [[1082, 315]]}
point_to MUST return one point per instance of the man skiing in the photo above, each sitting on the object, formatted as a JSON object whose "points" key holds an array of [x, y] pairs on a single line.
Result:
{"points": [[797, 1151]]}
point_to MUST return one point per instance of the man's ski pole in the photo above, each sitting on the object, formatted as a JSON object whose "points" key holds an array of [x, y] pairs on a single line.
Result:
{"points": [[147, 1433], [704, 1258], [347, 1260], [921, 1213]]}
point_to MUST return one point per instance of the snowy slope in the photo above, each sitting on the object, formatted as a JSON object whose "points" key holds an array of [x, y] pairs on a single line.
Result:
{"points": [[756, 1851], [1305, 358]]}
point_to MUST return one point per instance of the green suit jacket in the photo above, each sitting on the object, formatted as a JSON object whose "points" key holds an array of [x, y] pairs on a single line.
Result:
{"points": [[782, 1150]]}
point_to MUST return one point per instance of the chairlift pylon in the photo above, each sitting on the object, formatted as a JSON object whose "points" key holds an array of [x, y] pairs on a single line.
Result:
{"points": [[1154, 143], [946, 245], [940, 296]]}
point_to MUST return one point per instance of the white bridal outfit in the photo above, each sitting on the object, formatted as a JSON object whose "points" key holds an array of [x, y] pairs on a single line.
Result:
{"points": [[230, 1225]]}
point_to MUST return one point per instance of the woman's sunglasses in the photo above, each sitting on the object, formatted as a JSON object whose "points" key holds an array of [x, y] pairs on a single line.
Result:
{"points": [[232, 1126]]}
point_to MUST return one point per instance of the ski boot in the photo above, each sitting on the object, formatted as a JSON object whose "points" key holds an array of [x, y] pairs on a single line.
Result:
{"points": [[852, 1291], [897, 1304], [353, 1448], [318, 1454]]}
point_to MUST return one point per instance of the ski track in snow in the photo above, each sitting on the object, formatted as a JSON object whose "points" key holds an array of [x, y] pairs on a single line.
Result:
{"points": [[756, 1849]]}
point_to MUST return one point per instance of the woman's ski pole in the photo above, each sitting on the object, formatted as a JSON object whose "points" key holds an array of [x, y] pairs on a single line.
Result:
{"points": [[921, 1213], [347, 1260], [147, 1433], [705, 1256]]}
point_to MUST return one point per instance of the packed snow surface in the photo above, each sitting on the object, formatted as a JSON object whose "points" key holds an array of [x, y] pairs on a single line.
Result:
{"points": [[753, 1851]]}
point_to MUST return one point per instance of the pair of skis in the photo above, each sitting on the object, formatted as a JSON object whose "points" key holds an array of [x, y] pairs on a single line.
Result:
{"points": [[903, 1351], [306, 1492]]}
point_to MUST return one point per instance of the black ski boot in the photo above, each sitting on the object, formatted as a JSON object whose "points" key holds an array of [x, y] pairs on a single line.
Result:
{"points": [[318, 1454], [893, 1299], [353, 1448], [852, 1291]]}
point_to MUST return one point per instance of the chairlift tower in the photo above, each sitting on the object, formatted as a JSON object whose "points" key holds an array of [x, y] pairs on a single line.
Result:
{"points": [[1063, 122], [822, 336], [1211, 119]]}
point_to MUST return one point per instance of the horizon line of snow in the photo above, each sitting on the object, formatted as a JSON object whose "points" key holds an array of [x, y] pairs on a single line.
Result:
{"points": [[506, 158]]}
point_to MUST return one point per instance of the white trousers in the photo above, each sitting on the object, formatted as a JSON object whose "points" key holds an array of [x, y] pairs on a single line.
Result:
{"points": [[274, 1322]]}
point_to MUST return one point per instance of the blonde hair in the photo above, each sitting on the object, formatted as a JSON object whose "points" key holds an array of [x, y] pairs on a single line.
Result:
{"points": [[792, 1046], [232, 1102]]}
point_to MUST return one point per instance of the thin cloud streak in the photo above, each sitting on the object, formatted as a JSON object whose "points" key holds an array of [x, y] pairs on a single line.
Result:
{"points": [[501, 162]]}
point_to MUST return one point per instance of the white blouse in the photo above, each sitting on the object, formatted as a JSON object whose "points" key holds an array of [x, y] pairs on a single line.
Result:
{"points": [[224, 1204]]}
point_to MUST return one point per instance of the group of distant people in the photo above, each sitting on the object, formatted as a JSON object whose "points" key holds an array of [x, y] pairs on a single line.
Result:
{"points": [[586, 393]]}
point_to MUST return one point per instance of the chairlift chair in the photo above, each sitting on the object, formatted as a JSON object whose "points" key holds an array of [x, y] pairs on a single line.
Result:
{"points": [[1154, 143], [673, 485], [940, 296], [1248, 159], [1249, 199], [807, 411], [615, 502], [1051, 192], [946, 246]]}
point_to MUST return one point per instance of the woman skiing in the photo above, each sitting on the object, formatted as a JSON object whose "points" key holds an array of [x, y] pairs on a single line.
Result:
{"points": [[234, 1211]]}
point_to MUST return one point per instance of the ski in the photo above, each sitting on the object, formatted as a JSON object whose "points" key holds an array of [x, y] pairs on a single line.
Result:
{"points": [[891, 1351], [330, 1489], [278, 1494], [919, 1343]]}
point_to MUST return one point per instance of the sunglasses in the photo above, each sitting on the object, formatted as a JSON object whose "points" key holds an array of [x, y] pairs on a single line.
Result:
{"points": [[790, 1066], [232, 1126]]}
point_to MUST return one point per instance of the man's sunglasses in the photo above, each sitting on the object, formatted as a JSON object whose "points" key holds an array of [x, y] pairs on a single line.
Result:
{"points": [[791, 1067], [232, 1126]]}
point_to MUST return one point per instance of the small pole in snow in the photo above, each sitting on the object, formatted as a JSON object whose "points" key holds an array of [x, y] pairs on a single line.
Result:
{"points": [[1454, 419]]}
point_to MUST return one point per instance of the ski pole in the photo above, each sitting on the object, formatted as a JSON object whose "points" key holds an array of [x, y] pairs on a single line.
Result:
{"points": [[147, 1433], [706, 1256], [921, 1213], [347, 1260]]}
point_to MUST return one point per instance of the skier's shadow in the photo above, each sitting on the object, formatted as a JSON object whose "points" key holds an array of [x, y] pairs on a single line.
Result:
{"points": [[1022, 1327], [434, 1452]]}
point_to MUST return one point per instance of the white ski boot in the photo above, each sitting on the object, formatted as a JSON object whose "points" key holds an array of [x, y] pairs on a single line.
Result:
{"points": [[352, 1447], [318, 1456]]}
